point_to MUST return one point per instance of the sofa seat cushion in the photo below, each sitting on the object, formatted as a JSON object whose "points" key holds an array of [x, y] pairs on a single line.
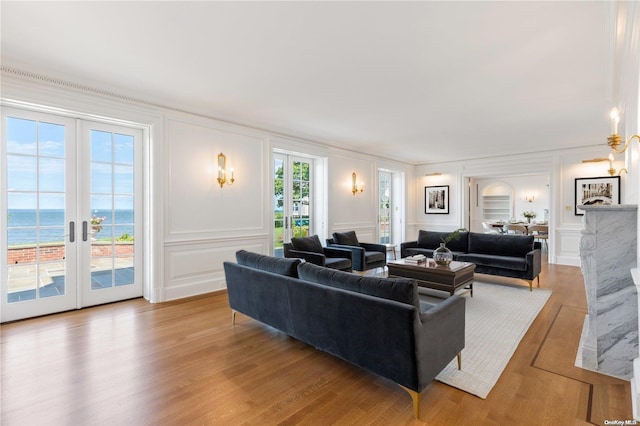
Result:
{"points": [[500, 245], [346, 238], [503, 262], [311, 244], [432, 240], [425, 306], [374, 256], [282, 266], [338, 263], [402, 290]]}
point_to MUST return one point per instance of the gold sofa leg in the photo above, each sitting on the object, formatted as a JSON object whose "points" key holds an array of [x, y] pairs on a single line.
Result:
{"points": [[531, 282], [415, 397], [233, 317]]}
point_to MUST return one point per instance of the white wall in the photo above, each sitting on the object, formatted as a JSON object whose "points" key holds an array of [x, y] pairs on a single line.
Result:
{"points": [[193, 225], [536, 186], [206, 224], [561, 167]]}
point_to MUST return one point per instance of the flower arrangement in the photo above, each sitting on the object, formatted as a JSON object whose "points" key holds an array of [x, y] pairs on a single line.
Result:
{"points": [[529, 215], [454, 236], [96, 222]]}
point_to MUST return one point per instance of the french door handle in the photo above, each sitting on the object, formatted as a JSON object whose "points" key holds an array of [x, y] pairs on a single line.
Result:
{"points": [[286, 222], [72, 232], [84, 231]]}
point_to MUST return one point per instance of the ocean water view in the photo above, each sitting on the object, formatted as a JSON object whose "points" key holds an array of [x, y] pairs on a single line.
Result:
{"points": [[26, 226]]}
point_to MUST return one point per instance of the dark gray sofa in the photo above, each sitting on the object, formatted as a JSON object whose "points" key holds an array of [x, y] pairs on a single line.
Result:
{"points": [[514, 256], [378, 324]]}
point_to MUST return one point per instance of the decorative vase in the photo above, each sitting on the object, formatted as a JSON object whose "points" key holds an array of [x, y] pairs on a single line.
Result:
{"points": [[442, 255], [93, 231]]}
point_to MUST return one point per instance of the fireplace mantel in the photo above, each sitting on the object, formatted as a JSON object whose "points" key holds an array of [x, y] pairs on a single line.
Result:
{"points": [[608, 254]]}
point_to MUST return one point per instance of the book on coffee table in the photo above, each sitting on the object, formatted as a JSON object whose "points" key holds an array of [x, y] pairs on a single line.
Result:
{"points": [[416, 259]]}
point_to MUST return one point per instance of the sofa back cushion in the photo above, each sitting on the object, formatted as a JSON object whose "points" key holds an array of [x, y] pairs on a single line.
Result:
{"points": [[402, 290], [500, 245], [277, 265], [432, 240], [346, 238], [311, 244]]}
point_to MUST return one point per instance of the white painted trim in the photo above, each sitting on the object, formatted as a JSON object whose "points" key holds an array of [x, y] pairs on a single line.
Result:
{"points": [[45, 95]]}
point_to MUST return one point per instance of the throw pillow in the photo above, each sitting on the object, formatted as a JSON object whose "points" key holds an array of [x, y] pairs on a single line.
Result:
{"points": [[346, 238], [311, 244]]}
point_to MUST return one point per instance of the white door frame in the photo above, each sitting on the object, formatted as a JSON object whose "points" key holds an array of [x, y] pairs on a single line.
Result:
{"points": [[77, 270]]}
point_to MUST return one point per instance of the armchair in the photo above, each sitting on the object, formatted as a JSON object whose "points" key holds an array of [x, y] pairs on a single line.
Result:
{"points": [[365, 255], [310, 249]]}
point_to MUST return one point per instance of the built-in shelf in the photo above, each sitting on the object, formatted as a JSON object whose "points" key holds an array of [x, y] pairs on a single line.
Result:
{"points": [[496, 207]]}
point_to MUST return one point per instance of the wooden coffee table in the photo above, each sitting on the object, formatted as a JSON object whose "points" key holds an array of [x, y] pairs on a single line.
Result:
{"points": [[446, 278]]}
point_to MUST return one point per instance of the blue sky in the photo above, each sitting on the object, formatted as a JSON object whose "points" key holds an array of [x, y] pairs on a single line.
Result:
{"points": [[36, 157]]}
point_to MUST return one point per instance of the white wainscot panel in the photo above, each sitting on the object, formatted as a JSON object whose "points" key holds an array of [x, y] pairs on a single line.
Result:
{"points": [[567, 247], [197, 206], [412, 231], [197, 268]]}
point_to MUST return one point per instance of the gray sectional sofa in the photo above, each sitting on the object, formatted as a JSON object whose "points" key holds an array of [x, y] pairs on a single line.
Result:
{"points": [[378, 324], [514, 256]]}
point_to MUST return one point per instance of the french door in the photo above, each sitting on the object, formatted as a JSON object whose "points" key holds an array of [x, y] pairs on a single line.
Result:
{"points": [[384, 207], [292, 199], [110, 209], [70, 212]]}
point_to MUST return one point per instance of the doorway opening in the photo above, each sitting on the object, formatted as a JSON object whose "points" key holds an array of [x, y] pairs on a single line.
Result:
{"points": [[390, 208]]}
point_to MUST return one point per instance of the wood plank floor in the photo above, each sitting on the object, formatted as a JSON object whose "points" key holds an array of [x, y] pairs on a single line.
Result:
{"points": [[182, 362]]}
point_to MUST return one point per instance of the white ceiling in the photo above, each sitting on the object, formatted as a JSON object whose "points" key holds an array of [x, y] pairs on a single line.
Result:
{"points": [[420, 82]]}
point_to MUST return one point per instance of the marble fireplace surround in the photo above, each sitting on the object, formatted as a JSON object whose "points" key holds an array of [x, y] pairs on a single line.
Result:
{"points": [[608, 253]]}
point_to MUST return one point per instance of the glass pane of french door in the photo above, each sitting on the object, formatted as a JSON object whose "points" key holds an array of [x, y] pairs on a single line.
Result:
{"points": [[384, 207], [113, 210], [279, 162], [38, 247], [300, 197], [292, 199]]}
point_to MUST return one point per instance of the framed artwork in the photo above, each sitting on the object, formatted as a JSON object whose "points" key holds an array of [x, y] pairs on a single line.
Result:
{"points": [[603, 191], [436, 199]]}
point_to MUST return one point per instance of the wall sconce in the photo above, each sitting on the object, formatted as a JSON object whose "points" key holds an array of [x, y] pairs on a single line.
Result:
{"points": [[615, 140], [529, 198], [611, 170], [222, 173], [356, 187]]}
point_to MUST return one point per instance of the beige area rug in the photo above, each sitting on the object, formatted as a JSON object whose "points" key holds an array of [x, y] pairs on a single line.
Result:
{"points": [[497, 317]]}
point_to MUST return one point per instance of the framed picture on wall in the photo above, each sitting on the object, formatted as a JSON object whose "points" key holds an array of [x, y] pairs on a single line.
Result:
{"points": [[436, 199], [603, 191]]}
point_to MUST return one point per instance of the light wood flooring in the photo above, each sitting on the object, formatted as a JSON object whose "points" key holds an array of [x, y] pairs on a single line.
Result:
{"points": [[182, 363]]}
